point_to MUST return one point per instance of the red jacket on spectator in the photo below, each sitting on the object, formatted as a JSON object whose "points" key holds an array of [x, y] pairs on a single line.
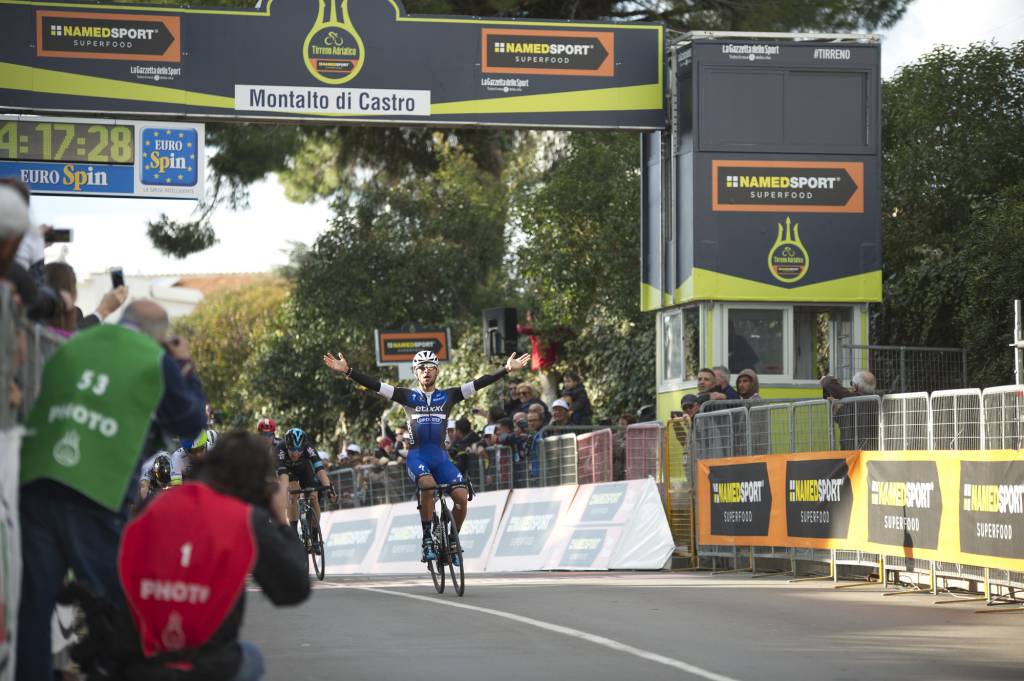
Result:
{"points": [[542, 355]]}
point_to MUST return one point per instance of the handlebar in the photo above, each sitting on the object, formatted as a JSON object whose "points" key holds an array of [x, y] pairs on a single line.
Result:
{"points": [[310, 490]]}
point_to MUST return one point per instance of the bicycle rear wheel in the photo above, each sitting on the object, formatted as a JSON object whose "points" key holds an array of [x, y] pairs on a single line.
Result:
{"points": [[316, 547], [458, 572]]}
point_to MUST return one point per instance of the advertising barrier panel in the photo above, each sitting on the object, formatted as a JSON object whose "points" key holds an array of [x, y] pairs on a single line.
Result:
{"points": [[956, 507], [400, 550], [481, 527], [612, 521], [351, 537], [526, 534]]}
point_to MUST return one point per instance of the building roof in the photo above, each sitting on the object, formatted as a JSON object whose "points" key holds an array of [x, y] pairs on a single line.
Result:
{"points": [[209, 283]]}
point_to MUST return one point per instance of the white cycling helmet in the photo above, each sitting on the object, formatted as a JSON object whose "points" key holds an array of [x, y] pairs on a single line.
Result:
{"points": [[424, 357]]}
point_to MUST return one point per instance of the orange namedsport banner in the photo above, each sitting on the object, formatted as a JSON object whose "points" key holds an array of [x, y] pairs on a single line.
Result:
{"points": [[956, 507]]}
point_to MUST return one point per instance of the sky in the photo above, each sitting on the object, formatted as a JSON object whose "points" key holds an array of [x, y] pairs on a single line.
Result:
{"points": [[112, 232]]}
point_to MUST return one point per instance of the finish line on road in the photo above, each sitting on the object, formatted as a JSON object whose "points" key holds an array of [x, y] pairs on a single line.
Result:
{"points": [[566, 631]]}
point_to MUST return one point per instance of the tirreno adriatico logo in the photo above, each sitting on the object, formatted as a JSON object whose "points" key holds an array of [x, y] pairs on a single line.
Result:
{"points": [[67, 452], [788, 260], [333, 51]]}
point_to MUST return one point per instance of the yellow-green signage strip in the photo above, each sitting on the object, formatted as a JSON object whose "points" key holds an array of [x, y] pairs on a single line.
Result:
{"points": [[333, 59]]}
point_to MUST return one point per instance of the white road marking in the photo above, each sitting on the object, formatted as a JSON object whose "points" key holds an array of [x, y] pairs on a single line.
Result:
{"points": [[566, 631]]}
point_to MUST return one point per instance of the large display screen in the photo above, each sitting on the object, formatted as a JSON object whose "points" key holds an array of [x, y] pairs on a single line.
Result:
{"points": [[69, 141]]}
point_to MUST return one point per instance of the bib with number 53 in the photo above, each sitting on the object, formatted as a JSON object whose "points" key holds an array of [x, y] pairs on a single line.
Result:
{"points": [[87, 427]]}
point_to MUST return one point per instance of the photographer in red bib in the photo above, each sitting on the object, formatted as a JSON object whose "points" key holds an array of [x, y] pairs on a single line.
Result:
{"points": [[183, 576]]}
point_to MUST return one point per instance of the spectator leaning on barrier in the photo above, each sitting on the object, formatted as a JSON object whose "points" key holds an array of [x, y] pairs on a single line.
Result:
{"points": [[747, 385], [81, 452], [535, 423], [707, 386], [682, 420], [560, 415], [858, 422], [722, 377]]}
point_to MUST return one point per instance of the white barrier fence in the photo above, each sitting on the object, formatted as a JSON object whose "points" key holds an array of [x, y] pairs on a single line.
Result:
{"points": [[601, 526]]}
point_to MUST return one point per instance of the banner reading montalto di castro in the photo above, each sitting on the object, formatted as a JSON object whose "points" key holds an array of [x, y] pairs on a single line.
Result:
{"points": [[356, 60], [956, 507]]}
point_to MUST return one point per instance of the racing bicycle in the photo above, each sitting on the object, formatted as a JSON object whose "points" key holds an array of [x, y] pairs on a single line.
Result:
{"points": [[312, 539], [447, 546]]}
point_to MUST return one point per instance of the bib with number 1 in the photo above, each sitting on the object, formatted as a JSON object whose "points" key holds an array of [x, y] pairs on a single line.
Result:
{"points": [[87, 428]]}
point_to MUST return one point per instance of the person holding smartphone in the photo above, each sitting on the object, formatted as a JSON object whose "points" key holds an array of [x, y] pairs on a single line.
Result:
{"points": [[111, 301]]}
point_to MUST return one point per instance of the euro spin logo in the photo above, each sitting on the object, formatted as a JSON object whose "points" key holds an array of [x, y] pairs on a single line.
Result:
{"points": [[169, 157], [1003, 499], [826, 490], [749, 492]]}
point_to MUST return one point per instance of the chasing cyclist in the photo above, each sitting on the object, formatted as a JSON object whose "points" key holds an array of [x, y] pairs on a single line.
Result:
{"points": [[156, 475], [267, 429], [427, 410], [191, 452], [299, 465]]}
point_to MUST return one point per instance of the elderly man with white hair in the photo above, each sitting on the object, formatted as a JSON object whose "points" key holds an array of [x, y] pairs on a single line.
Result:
{"points": [[857, 419]]}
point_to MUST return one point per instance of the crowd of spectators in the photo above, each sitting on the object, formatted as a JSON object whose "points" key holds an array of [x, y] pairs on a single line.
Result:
{"points": [[110, 396]]}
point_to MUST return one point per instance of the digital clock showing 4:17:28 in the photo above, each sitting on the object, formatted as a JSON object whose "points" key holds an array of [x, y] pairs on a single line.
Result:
{"points": [[66, 141]]}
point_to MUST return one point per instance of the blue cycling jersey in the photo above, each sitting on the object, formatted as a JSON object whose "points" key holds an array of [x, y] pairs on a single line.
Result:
{"points": [[427, 415]]}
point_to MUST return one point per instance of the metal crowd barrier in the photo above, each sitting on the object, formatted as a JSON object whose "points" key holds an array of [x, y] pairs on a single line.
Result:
{"points": [[968, 419], [21, 358], [560, 456], [1003, 417], [906, 422], [956, 420]]}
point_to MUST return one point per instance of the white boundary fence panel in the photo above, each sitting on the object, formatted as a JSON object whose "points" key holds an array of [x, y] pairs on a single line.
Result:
{"points": [[906, 422], [957, 420], [1003, 408]]}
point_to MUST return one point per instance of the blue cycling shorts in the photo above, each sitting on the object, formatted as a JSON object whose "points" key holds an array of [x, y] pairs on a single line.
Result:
{"points": [[433, 461]]}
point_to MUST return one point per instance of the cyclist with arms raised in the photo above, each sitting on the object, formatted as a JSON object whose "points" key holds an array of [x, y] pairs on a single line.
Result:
{"points": [[427, 410]]}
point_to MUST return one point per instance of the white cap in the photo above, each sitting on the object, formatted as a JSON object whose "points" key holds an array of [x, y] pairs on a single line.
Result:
{"points": [[490, 428], [560, 403], [451, 424], [354, 448], [14, 219], [342, 456]]}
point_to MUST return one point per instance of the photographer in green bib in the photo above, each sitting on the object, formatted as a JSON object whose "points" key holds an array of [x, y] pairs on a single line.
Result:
{"points": [[83, 448]]}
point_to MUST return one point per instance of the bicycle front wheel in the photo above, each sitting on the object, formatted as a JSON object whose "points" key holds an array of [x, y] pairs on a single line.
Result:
{"points": [[316, 549], [458, 572], [436, 567]]}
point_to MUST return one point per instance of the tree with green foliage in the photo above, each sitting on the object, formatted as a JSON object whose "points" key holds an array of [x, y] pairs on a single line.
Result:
{"points": [[223, 332], [426, 251], [582, 266], [952, 134]]}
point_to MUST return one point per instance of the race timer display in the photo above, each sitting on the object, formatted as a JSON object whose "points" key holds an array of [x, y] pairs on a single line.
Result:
{"points": [[71, 142]]}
